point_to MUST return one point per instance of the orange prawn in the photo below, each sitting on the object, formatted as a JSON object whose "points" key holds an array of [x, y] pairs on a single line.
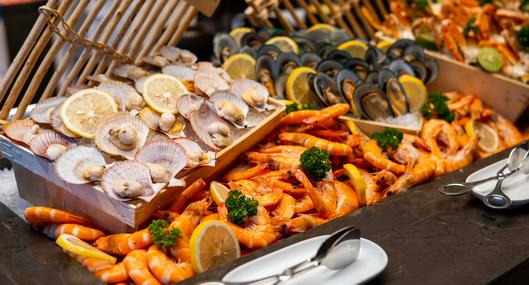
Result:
{"points": [[324, 199], [115, 274], [286, 209], [304, 204], [138, 268], [328, 113], [346, 198], [235, 175], [123, 244], [87, 234], [306, 140], [166, 270], [300, 224], [188, 193], [373, 154], [40, 216], [275, 160]]}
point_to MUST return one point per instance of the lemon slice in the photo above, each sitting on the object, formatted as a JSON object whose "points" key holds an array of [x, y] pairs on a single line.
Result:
{"points": [[297, 88], [415, 90], [326, 28], [356, 48], [213, 244], [219, 192], [239, 66], [358, 181], [161, 91], [488, 140], [353, 128], [384, 45], [74, 245], [81, 112], [284, 43], [237, 33]]}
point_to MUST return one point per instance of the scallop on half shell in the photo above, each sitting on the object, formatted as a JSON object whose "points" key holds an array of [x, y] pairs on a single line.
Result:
{"points": [[80, 165], [50, 144], [58, 125], [210, 79], [127, 180], [210, 128], [188, 103], [195, 154], [19, 129], [232, 108], [42, 111], [168, 123], [125, 95], [253, 93], [165, 159], [121, 134]]}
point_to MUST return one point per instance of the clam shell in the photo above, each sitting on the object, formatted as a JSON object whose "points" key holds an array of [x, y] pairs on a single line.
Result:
{"points": [[130, 171], [71, 164], [164, 152], [42, 111], [180, 71], [41, 143], [103, 138], [202, 120], [188, 103], [195, 154], [241, 87], [17, 129]]}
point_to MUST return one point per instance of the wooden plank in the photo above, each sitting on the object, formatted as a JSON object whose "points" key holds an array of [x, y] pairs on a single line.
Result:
{"points": [[206, 7], [369, 127]]}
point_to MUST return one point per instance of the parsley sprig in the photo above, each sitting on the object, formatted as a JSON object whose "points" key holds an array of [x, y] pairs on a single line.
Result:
{"points": [[436, 107], [470, 28], [296, 107], [388, 137], [240, 207], [316, 163], [162, 237]]}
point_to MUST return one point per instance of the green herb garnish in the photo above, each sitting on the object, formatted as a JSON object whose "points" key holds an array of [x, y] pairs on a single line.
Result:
{"points": [[316, 163], [523, 37], [161, 236], [436, 107], [420, 4], [470, 28], [293, 107], [389, 137], [240, 207], [524, 6]]}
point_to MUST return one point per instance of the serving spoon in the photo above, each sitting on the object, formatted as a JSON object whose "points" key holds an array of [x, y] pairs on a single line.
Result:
{"points": [[336, 252]]}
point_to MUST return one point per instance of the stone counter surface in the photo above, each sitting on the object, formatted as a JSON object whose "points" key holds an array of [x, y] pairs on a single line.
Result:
{"points": [[429, 239]]}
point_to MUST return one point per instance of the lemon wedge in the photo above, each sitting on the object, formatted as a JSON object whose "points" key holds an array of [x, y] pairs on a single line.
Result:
{"points": [[488, 139], [353, 128], [284, 43], [239, 66], [384, 45], [358, 181], [297, 88], [82, 111], [415, 90], [161, 91], [219, 192], [213, 244], [76, 246], [356, 48], [237, 33], [326, 28]]}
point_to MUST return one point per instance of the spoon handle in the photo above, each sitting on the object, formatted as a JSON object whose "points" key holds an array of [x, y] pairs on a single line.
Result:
{"points": [[497, 199]]}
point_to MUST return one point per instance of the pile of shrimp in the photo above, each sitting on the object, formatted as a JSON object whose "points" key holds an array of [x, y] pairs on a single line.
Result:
{"points": [[289, 201]]}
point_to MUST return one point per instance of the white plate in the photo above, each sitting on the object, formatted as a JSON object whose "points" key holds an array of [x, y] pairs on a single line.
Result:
{"points": [[515, 186], [372, 259]]}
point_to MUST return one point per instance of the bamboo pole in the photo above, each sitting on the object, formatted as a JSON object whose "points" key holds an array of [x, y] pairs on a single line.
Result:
{"points": [[382, 8], [24, 52], [52, 52], [370, 32], [188, 17], [282, 20], [171, 28], [357, 30], [257, 10], [305, 7], [369, 6], [295, 16], [338, 16], [322, 13]]}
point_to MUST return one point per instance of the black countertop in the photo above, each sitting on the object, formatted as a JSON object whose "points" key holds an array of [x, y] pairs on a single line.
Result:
{"points": [[429, 239]]}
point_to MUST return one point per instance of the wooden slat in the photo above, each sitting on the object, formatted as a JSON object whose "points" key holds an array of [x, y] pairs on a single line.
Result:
{"points": [[295, 16], [188, 17], [322, 13], [171, 28], [282, 20], [337, 15], [356, 29], [310, 16]]}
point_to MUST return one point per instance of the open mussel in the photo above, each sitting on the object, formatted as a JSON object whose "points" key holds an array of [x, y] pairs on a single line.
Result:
{"points": [[360, 67], [287, 62], [310, 59], [267, 72], [394, 92], [339, 36], [376, 57], [325, 49], [339, 55], [420, 70], [400, 67], [249, 51], [372, 77], [347, 82], [372, 102], [329, 67], [432, 68], [413, 53], [270, 50], [396, 50], [224, 46], [305, 44], [318, 37], [252, 40], [326, 89]]}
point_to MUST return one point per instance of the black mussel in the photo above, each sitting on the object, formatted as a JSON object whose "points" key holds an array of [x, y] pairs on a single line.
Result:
{"points": [[280, 33], [266, 33], [249, 51], [372, 77], [339, 55], [413, 53], [318, 37], [224, 46], [280, 84], [347, 82], [372, 102], [394, 92], [376, 57], [396, 50], [400, 67], [432, 68], [267, 71], [305, 44], [252, 40], [325, 49], [420, 70], [326, 89], [310, 59], [329, 67], [270, 50], [339, 36], [360, 67], [288, 61]]}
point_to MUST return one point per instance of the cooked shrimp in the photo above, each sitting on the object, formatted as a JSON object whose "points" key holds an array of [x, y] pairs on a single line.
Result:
{"points": [[332, 135], [286, 208], [507, 131], [306, 140], [259, 190], [372, 190], [284, 186], [443, 132], [237, 174], [300, 224], [328, 113], [186, 195], [384, 178], [275, 160], [180, 251], [324, 199], [138, 268], [373, 154], [166, 270], [40, 216], [421, 172], [463, 157], [346, 198], [191, 216], [298, 117], [114, 274], [304, 204], [291, 150], [122, 244], [87, 234], [91, 263]]}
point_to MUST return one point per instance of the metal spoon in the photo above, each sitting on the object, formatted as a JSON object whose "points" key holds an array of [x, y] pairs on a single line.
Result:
{"points": [[516, 158], [336, 252]]}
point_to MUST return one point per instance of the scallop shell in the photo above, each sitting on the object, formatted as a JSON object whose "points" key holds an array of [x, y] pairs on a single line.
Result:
{"points": [[130, 71], [17, 129], [103, 138], [71, 164], [156, 60], [177, 130], [188, 103], [124, 94], [206, 124], [129, 171], [177, 55], [42, 111], [57, 124], [247, 89], [180, 71], [150, 118], [163, 152], [209, 79], [220, 99], [195, 154], [44, 144]]}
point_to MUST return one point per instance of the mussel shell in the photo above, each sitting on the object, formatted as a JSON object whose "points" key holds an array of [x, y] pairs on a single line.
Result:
{"points": [[400, 67], [339, 36], [397, 48], [267, 62], [347, 82], [270, 50], [329, 67], [372, 102], [248, 50], [325, 49], [376, 57], [394, 91], [305, 44], [339, 55], [310, 59], [221, 42], [326, 89], [280, 84], [372, 77], [252, 40], [420, 70], [413, 53], [432, 68], [287, 61], [360, 67], [318, 37]]}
